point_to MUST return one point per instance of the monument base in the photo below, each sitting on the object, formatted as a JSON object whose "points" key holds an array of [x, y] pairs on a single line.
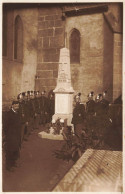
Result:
{"points": [[67, 117]]}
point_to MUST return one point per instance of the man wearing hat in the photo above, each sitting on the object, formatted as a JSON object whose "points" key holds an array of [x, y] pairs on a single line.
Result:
{"points": [[44, 104], [51, 98], [33, 109], [105, 102], [90, 113], [29, 116], [37, 109], [102, 120], [78, 116], [22, 113], [12, 129]]}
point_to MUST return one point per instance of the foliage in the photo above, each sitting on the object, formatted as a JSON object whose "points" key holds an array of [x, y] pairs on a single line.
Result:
{"points": [[57, 126], [74, 145]]}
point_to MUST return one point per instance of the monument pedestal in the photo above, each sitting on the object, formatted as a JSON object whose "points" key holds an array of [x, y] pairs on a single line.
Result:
{"points": [[63, 106]]}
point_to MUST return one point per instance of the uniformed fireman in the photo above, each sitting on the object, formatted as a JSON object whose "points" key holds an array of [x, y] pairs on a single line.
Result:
{"points": [[78, 116], [105, 102], [102, 118], [22, 114], [90, 113], [27, 113], [51, 97], [37, 109], [44, 108], [33, 109]]}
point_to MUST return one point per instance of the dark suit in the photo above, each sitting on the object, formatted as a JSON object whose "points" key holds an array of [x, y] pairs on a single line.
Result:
{"points": [[12, 129], [102, 117], [90, 119], [78, 118], [44, 105]]}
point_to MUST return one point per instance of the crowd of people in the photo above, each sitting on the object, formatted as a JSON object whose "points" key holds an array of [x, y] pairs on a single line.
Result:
{"points": [[95, 117], [32, 109]]}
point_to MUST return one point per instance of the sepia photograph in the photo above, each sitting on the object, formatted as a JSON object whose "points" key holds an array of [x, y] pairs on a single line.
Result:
{"points": [[62, 96]]}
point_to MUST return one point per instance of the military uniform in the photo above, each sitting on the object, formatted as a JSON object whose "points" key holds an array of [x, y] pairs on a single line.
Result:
{"points": [[37, 110], [44, 104], [33, 113], [51, 105], [22, 114], [90, 116], [102, 118], [78, 117]]}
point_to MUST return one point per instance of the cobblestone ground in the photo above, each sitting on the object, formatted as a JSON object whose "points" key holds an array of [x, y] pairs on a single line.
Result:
{"points": [[38, 169]]}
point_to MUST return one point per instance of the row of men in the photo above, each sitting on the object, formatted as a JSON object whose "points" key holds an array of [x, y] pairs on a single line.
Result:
{"points": [[96, 117], [34, 109], [93, 116], [27, 113]]}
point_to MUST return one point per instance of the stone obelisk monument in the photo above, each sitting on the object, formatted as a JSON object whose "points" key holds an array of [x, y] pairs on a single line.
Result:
{"points": [[64, 91]]}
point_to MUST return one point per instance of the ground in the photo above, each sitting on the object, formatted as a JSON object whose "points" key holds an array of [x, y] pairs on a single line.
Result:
{"points": [[39, 170]]}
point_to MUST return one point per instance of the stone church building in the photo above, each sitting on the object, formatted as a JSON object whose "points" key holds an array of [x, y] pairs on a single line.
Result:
{"points": [[34, 33]]}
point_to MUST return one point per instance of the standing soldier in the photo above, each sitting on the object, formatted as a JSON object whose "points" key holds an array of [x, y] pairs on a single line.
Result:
{"points": [[12, 129], [37, 109], [51, 98], [98, 110], [105, 102], [29, 113], [78, 116], [22, 114], [102, 119], [44, 107], [33, 109], [90, 113]]}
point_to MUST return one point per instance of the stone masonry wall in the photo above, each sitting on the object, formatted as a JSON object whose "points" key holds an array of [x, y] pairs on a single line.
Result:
{"points": [[20, 76], [88, 75], [117, 66], [50, 40], [30, 22], [108, 61]]}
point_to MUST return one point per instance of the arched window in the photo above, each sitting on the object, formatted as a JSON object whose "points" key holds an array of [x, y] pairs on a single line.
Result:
{"points": [[74, 43], [18, 39], [4, 34]]}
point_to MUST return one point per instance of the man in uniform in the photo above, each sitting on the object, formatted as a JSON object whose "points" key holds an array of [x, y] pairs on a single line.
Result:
{"points": [[90, 113], [22, 113], [51, 98], [102, 118], [105, 102], [37, 109], [44, 104], [12, 129], [33, 109], [78, 116]]}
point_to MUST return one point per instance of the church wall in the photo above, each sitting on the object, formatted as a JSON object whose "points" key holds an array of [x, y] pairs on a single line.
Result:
{"points": [[87, 76], [117, 66], [30, 22], [11, 69], [50, 40], [108, 61], [20, 76], [44, 35]]}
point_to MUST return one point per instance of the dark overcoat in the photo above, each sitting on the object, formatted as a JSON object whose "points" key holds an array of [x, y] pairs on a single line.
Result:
{"points": [[12, 129]]}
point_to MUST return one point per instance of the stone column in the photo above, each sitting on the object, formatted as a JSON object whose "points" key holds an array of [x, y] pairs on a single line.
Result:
{"points": [[64, 91]]}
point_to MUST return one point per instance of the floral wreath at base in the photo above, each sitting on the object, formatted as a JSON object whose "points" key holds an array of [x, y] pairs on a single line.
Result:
{"points": [[57, 126]]}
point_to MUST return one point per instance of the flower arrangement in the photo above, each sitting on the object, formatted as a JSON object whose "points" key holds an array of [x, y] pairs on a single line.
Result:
{"points": [[57, 126]]}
